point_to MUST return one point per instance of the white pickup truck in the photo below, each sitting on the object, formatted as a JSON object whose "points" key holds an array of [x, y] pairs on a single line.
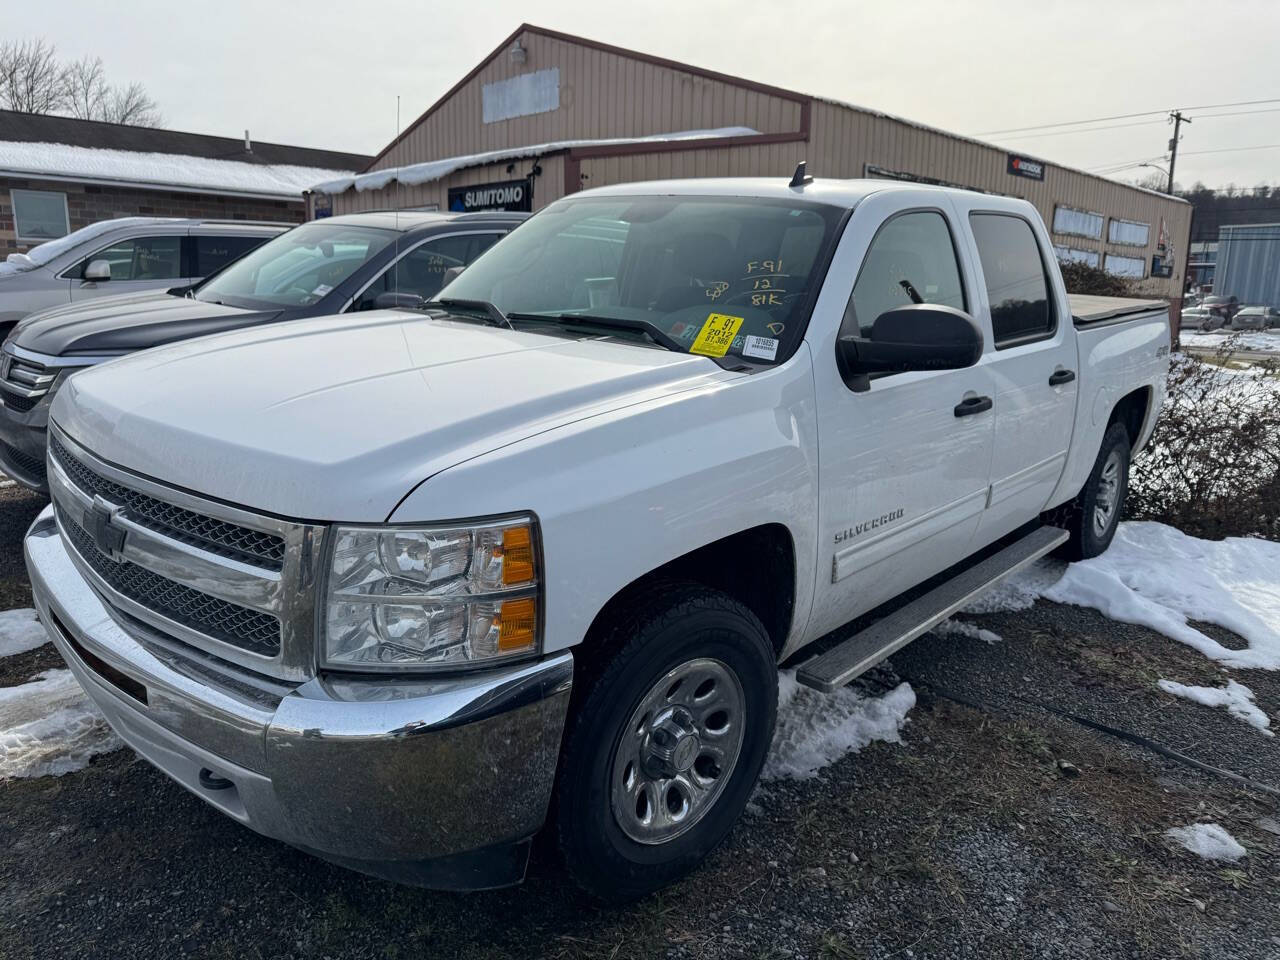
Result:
{"points": [[391, 587]]}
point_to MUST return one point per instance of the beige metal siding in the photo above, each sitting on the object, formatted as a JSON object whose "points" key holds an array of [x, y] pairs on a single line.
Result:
{"points": [[547, 187], [844, 140], [602, 95]]}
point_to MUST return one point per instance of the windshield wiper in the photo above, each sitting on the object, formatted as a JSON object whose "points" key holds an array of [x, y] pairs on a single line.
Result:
{"points": [[650, 330], [487, 307]]}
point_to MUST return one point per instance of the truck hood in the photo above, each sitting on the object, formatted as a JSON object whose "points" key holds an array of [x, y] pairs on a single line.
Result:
{"points": [[127, 322], [338, 418]]}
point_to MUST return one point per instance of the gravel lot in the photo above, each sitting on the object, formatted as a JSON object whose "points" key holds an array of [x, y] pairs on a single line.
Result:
{"points": [[969, 839]]}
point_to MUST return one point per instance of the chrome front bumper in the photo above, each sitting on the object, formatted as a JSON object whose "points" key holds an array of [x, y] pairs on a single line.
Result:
{"points": [[436, 782]]}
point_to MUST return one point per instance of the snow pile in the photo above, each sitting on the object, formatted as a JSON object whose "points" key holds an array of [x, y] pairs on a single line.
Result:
{"points": [[815, 729], [1159, 577], [1207, 840], [418, 173], [20, 631], [1245, 340], [959, 628], [1236, 697], [160, 169], [49, 727]]}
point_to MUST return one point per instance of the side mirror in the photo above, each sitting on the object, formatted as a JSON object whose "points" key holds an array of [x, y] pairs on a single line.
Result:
{"points": [[398, 301], [921, 336], [97, 271], [451, 275]]}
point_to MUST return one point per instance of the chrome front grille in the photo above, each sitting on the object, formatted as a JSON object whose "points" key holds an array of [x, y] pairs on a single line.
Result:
{"points": [[235, 584], [23, 382], [235, 625], [216, 536]]}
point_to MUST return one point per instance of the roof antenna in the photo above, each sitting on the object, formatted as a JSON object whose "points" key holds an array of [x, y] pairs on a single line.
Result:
{"points": [[800, 178]]}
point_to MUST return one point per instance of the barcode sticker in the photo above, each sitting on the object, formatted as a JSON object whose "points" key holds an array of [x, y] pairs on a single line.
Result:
{"points": [[761, 348]]}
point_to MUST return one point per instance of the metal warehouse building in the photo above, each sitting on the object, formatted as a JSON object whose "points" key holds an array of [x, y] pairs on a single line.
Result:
{"points": [[1248, 264], [547, 114]]}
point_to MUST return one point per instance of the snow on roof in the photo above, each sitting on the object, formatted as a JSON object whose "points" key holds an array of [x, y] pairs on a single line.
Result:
{"points": [[418, 173], [279, 181]]}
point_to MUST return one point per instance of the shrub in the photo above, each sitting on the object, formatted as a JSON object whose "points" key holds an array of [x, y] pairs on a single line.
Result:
{"points": [[1212, 467], [1084, 279]]}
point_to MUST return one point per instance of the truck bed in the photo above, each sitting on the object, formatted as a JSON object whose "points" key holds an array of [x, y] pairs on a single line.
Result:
{"points": [[1086, 310]]}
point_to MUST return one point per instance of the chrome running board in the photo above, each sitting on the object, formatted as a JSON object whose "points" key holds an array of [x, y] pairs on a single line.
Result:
{"points": [[830, 671]]}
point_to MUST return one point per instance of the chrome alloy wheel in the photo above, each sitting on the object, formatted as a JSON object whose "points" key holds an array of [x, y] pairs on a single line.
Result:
{"points": [[677, 751], [1108, 497]]}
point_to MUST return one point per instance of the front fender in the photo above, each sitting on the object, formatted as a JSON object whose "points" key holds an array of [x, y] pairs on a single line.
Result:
{"points": [[620, 494]]}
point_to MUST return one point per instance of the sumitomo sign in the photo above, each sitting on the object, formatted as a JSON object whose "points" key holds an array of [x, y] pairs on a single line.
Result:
{"points": [[507, 195], [1025, 167]]}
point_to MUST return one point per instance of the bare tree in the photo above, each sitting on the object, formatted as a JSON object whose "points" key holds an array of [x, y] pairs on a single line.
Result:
{"points": [[86, 88], [131, 105], [31, 78]]}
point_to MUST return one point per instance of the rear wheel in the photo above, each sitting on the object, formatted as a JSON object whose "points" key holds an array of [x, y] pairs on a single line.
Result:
{"points": [[1093, 516], [665, 743]]}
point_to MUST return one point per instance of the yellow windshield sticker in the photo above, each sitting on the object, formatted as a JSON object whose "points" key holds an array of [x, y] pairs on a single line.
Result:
{"points": [[716, 336]]}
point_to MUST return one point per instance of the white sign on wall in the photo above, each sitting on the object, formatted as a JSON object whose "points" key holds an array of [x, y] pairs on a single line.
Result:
{"points": [[522, 96]]}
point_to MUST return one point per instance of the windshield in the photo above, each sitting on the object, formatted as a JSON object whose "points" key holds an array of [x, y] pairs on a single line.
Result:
{"points": [[715, 276], [296, 268]]}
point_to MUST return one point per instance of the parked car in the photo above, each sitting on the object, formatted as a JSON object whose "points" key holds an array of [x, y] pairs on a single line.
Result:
{"points": [[1225, 307], [1200, 319], [125, 255], [1256, 318], [329, 266], [381, 587]]}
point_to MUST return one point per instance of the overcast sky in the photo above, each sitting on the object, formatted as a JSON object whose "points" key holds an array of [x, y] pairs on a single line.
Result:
{"points": [[326, 74]]}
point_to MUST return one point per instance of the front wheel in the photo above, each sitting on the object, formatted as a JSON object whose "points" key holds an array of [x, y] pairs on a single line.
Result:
{"points": [[667, 743], [1093, 516]]}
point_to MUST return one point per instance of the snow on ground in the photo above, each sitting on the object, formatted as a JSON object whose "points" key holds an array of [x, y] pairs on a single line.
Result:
{"points": [[816, 729], [1157, 576], [49, 727], [1236, 697], [20, 631], [960, 628], [1259, 340], [1208, 840]]}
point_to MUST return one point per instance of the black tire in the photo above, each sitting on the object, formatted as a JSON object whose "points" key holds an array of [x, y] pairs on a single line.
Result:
{"points": [[1078, 516], [654, 635]]}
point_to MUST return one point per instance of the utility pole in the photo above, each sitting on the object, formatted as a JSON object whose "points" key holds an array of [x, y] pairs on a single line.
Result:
{"points": [[1178, 120]]}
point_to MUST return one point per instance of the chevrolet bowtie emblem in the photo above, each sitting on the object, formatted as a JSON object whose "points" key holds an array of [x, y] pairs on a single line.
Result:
{"points": [[98, 523]]}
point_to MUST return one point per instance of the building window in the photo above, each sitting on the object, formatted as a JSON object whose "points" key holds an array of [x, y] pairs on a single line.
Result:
{"points": [[1077, 223], [1076, 255], [40, 215], [1126, 266], [1017, 287], [1128, 233]]}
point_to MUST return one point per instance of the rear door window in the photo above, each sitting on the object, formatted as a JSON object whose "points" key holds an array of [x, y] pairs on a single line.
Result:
{"points": [[1017, 282], [212, 253]]}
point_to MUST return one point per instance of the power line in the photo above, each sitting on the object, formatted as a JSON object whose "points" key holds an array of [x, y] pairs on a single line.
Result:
{"points": [[1127, 116]]}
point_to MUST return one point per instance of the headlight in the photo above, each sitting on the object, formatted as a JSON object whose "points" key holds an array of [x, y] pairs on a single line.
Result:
{"points": [[401, 598]]}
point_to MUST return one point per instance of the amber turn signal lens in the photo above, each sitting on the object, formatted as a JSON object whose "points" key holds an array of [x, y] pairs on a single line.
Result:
{"points": [[517, 556], [518, 628]]}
